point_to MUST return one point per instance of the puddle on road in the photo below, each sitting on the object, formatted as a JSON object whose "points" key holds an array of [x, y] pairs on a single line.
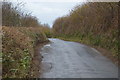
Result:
{"points": [[46, 49], [46, 67], [47, 45]]}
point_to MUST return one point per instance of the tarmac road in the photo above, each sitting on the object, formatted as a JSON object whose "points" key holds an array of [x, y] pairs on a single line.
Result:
{"points": [[65, 59]]}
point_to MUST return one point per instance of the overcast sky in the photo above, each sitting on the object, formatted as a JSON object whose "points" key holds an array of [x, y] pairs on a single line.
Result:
{"points": [[48, 10]]}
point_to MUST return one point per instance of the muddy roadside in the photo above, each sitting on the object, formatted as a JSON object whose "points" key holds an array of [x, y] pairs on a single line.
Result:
{"points": [[35, 69], [105, 53], [108, 54]]}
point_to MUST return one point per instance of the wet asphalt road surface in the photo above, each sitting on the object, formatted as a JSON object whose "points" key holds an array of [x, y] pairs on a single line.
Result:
{"points": [[65, 59]]}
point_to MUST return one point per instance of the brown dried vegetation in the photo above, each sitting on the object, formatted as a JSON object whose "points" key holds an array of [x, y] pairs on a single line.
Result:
{"points": [[18, 50], [21, 33], [93, 23]]}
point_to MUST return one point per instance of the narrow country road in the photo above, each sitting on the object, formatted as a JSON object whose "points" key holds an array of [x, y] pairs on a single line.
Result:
{"points": [[65, 59]]}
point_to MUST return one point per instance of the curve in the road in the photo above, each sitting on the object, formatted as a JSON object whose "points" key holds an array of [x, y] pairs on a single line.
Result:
{"points": [[64, 59]]}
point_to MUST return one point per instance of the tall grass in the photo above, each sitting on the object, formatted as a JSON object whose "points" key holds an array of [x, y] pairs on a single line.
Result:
{"points": [[18, 50]]}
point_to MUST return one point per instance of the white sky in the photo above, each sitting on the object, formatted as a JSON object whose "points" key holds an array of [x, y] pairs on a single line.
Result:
{"points": [[48, 10]]}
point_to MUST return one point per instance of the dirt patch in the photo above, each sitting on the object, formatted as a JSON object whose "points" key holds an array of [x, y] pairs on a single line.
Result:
{"points": [[108, 54], [36, 61], [105, 53]]}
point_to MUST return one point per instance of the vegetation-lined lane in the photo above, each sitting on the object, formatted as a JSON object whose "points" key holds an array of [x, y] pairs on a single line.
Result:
{"points": [[64, 59], [95, 24]]}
